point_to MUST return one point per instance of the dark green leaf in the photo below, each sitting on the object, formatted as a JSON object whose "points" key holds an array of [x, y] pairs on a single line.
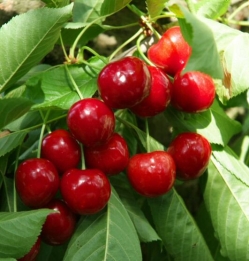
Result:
{"points": [[109, 235], [56, 3], [213, 124], [177, 228], [112, 6], [145, 231], [26, 39], [19, 231], [13, 108]]}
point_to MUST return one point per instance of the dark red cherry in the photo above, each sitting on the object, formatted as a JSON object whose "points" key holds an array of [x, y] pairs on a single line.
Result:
{"points": [[171, 52], [124, 83], [192, 92], [85, 191], [37, 182], [34, 251], [61, 148], [159, 97], [191, 153], [60, 225], [151, 174], [91, 121], [111, 157]]}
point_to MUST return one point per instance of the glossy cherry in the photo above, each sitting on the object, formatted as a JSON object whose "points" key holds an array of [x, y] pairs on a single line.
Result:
{"points": [[192, 91], [191, 153], [62, 149], [91, 121], [37, 182], [85, 191], [59, 226], [171, 52], [111, 157], [124, 83], [159, 97], [34, 251], [151, 174]]}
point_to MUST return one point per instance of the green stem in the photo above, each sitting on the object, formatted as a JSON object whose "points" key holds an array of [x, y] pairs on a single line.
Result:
{"points": [[164, 15], [110, 27], [83, 164], [135, 10], [72, 49], [125, 43], [141, 37], [42, 132], [74, 83], [230, 17], [93, 52], [148, 24], [241, 23], [147, 135], [64, 49]]}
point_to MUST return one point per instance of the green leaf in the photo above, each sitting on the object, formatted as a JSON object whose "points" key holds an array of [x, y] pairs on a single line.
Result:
{"points": [[233, 48], [56, 3], [8, 202], [3, 168], [19, 231], [145, 231], [55, 88], [86, 11], [226, 199], [11, 141], [26, 39], [155, 7], [13, 108], [177, 228], [109, 235], [112, 6], [212, 9], [213, 124], [204, 56]]}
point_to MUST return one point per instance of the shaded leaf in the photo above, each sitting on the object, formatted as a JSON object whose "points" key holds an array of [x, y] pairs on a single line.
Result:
{"points": [[144, 229], [155, 7], [26, 39], [13, 108], [177, 228], [109, 235], [213, 124], [112, 6], [19, 231]]}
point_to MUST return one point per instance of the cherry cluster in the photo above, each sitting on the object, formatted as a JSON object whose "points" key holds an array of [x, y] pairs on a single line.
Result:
{"points": [[56, 181]]}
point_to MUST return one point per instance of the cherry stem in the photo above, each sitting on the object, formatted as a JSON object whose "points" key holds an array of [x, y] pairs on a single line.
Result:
{"points": [[42, 132], [125, 43], [74, 83], [64, 49], [236, 11], [14, 186], [93, 52], [148, 24], [139, 40], [83, 164], [147, 135]]}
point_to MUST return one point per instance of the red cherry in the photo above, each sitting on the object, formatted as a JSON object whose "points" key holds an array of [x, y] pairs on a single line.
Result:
{"points": [[111, 157], [85, 191], [192, 92], [37, 182], [34, 251], [124, 83], [151, 174], [159, 97], [59, 226], [171, 52], [90, 121], [61, 149], [191, 153]]}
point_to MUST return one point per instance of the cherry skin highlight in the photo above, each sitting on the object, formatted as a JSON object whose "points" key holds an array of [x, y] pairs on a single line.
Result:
{"points": [[91, 121], [151, 174], [37, 182], [59, 226], [85, 191], [191, 153], [111, 157], [61, 149], [171, 52], [159, 97], [192, 92], [124, 83]]}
